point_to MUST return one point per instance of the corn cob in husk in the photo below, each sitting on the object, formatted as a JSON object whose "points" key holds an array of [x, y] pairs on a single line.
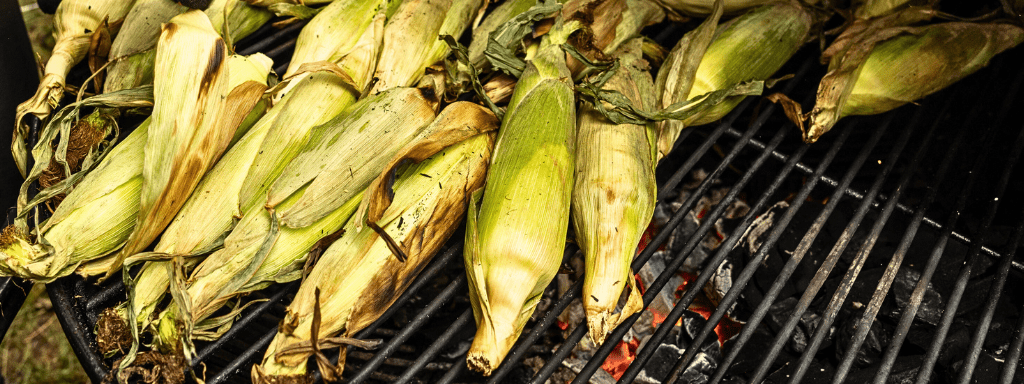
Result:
{"points": [[411, 39], [614, 195], [751, 47], [258, 251], [358, 277], [97, 217], [909, 63], [75, 22], [195, 115], [516, 231]]}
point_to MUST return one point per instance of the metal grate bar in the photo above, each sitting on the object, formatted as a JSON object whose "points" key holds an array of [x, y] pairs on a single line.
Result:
{"points": [[269, 41], [885, 283], [454, 372], [975, 348], [802, 248], [961, 283], [881, 199], [855, 268], [465, 318], [450, 291], [1004, 268], [965, 272], [60, 297], [748, 272], [1013, 358], [910, 312], [240, 327], [830, 261], [990, 308], [102, 298], [644, 355], [243, 362]]}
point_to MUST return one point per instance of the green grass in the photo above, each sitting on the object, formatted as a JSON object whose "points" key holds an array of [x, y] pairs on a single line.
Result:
{"points": [[35, 349], [40, 29]]}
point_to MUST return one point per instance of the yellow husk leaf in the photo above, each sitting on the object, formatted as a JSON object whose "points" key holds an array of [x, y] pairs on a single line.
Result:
{"points": [[333, 32], [411, 41], [337, 165]]}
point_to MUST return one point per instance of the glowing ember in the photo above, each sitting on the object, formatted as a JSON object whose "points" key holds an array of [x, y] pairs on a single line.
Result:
{"points": [[620, 358]]}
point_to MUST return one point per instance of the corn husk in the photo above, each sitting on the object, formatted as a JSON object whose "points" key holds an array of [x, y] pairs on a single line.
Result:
{"points": [[411, 41], [868, 9], [683, 9], [75, 22], [751, 47], [494, 19], [195, 115], [515, 233], [333, 33], [97, 217], [268, 3], [358, 277], [614, 195], [638, 15], [328, 180], [133, 51], [235, 19], [259, 251], [899, 65]]}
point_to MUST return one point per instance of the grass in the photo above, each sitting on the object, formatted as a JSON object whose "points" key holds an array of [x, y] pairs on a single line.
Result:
{"points": [[35, 349], [40, 29]]}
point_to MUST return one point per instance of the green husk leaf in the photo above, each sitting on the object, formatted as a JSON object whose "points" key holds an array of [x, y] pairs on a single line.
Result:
{"points": [[501, 52]]}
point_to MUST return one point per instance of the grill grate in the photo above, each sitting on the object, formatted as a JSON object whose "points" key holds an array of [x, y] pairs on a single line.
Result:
{"points": [[923, 153]]}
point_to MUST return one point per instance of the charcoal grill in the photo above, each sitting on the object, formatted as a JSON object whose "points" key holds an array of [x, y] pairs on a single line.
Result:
{"points": [[933, 187]]}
